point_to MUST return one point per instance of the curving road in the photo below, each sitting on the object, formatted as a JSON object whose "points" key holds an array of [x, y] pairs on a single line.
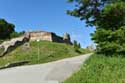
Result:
{"points": [[53, 72]]}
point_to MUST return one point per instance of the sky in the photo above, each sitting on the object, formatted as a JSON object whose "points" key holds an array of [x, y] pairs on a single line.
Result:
{"points": [[46, 15]]}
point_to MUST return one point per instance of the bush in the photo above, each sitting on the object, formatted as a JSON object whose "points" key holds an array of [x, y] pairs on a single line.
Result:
{"points": [[110, 42], [16, 34], [110, 31], [6, 29]]}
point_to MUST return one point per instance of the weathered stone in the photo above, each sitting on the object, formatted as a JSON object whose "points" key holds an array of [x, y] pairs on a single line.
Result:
{"points": [[12, 44], [49, 36], [40, 35], [26, 46], [66, 38]]}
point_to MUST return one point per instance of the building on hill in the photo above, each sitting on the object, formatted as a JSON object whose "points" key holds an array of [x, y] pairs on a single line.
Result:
{"points": [[40, 35], [91, 47], [66, 37], [49, 36]]}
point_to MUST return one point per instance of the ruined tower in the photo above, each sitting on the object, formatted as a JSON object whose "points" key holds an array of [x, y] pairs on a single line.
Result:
{"points": [[66, 38]]}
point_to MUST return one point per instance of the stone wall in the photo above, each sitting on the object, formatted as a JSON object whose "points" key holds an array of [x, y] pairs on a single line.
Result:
{"points": [[49, 36], [10, 45], [56, 38], [40, 35]]}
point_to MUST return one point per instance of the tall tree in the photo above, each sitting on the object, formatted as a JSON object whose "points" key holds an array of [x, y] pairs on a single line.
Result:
{"points": [[108, 16], [75, 44], [79, 45], [6, 29], [89, 10]]}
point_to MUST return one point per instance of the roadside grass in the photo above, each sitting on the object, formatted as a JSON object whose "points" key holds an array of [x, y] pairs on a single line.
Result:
{"points": [[100, 69], [41, 52]]}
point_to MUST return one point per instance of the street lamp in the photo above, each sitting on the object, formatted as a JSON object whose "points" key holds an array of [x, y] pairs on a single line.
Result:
{"points": [[38, 50]]}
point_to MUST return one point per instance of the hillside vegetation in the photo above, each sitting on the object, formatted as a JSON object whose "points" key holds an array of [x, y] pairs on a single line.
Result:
{"points": [[41, 52], [100, 69]]}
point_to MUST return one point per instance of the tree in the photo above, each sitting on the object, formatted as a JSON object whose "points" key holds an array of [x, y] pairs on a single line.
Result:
{"points": [[110, 32], [112, 16], [76, 45], [89, 10], [79, 45], [110, 42], [16, 34], [109, 21], [5, 29]]}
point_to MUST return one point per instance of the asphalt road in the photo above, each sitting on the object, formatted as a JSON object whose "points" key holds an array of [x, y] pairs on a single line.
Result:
{"points": [[53, 72]]}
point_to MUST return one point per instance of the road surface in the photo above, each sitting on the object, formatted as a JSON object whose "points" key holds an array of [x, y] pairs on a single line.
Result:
{"points": [[53, 72]]}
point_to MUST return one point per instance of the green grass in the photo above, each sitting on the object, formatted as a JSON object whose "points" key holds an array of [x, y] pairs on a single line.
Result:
{"points": [[48, 51], [100, 69]]}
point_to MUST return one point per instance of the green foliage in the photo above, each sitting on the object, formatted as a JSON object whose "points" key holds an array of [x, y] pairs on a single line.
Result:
{"points": [[112, 16], [89, 10], [100, 69], [5, 29], [109, 18], [110, 33], [79, 45], [76, 45], [2, 50], [16, 34], [110, 42]]}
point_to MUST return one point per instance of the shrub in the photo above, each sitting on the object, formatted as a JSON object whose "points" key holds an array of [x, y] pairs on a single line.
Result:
{"points": [[16, 34], [110, 42]]}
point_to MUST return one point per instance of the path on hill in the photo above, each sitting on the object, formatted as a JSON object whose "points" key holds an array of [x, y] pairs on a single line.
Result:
{"points": [[53, 72]]}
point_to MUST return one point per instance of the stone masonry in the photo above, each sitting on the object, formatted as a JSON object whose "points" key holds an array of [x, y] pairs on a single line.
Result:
{"points": [[49, 36]]}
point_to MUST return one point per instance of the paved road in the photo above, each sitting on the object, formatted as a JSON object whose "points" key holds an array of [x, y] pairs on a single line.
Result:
{"points": [[53, 72]]}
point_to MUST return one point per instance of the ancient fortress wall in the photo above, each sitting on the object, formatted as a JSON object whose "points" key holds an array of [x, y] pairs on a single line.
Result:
{"points": [[10, 45], [40, 35], [56, 38], [49, 36]]}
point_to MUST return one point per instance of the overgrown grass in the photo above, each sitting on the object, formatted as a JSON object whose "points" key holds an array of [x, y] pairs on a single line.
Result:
{"points": [[100, 69], [41, 52]]}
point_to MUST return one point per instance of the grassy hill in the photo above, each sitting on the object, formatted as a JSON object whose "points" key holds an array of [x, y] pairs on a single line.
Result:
{"points": [[41, 52], [100, 69]]}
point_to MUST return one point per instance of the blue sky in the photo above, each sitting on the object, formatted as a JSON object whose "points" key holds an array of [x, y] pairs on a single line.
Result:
{"points": [[48, 15]]}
